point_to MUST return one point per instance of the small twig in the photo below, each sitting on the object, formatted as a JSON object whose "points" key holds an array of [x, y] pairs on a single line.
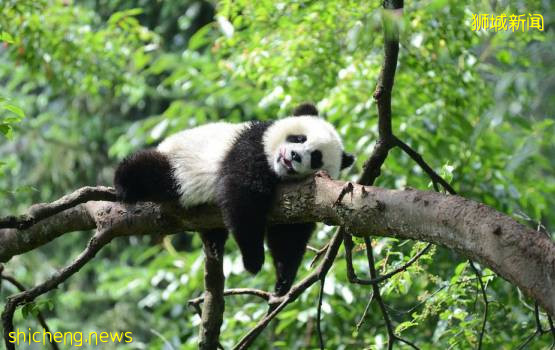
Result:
{"points": [[551, 328], [486, 303], [377, 295], [412, 345], [528, 340], [319, 254], [541, 228], [99, 240], [167, 344], [197, 308], [319, 313], [236, 291], [410, 310], [420, 161], [537, 318], [348, 188], [41, 211], [353, 278], [359, 323], [539, 330], [312, 249]]}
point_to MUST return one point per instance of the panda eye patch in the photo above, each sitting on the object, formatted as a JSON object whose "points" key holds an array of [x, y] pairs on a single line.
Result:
{"points": [[296, 138], [316, 159]]}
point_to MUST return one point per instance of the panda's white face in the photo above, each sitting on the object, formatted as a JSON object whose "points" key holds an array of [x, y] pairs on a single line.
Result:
{"points": [[300, 146], [297, 157]]}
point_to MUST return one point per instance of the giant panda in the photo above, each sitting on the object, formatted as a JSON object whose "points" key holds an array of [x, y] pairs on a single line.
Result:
{"points": [[238, 167]]}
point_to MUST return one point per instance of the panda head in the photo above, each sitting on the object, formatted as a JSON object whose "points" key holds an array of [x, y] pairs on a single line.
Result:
{"points": [[303, 144]]}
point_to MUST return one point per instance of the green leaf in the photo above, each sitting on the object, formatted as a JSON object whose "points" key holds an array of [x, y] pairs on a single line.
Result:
{"points": [[25, 189], [28, 310], [200, 38], [6, 37], [436, 5], [458, 271], [46, 304], [117, 16], [405, 325], [5, 129], [141, 59], [14, 109]]}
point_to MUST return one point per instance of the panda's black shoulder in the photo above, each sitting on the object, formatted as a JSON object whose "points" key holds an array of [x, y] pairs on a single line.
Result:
{"points": [[251, 137], [246, 163]]}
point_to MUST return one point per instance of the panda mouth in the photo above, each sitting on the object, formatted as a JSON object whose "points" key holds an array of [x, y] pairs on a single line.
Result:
{"points": [[287, 163]]}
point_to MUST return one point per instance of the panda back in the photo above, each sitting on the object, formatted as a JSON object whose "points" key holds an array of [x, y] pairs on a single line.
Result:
{"points": [[196, 156]]}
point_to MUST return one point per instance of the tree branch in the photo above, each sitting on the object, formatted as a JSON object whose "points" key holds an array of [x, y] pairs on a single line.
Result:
{"points": [[486, 303], [521, 255], [427, 169], [319, 313], [41, 211], [353, 278], [377, 295], [236, 291], [213, 307]]}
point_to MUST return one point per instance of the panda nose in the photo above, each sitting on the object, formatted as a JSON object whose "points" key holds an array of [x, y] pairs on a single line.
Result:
{"points": [[295, 156]]}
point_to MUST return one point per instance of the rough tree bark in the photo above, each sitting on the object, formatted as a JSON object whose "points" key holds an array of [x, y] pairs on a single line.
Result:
{"points": [[214, 279], [521, 255]]}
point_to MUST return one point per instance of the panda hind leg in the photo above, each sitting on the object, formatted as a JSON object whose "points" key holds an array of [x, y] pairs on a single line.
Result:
{"points": [[287, 244], [146, 175]]}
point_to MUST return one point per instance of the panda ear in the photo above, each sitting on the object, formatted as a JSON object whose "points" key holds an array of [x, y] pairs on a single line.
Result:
{"points": [[305, 108], [347, 160]]}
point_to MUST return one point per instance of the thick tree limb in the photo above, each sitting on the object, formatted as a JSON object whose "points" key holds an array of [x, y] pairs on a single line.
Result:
{"points": [[124, 220], [521, 255]]}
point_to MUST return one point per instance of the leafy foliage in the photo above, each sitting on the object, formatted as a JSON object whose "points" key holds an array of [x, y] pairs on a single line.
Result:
{"points": [[96, 80]]}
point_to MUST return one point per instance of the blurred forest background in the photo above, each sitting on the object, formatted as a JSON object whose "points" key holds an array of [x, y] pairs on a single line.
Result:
{"points": [[85, 83]]}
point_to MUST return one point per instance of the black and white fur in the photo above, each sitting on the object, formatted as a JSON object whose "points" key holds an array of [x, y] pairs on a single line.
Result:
{"points": [[238, 166]]}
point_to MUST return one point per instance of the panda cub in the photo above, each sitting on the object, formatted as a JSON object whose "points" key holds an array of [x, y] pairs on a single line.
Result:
{"points": [[238, 167]]}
